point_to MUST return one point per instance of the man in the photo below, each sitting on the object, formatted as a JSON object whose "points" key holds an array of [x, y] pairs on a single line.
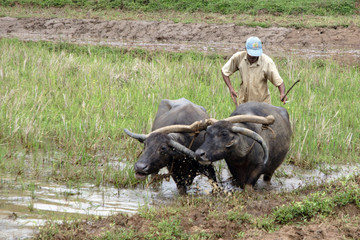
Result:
{"points": [[255, 70]]}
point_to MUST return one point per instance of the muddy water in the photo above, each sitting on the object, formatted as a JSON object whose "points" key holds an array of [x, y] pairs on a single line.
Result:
{"points": [[23, 207], [26, 206]]}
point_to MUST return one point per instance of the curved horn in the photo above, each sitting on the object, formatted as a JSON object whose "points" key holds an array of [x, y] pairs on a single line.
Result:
{"points": [[182, 148], [202, 125], [140, 137], [251, 118], [251, 134], [194, 127]]}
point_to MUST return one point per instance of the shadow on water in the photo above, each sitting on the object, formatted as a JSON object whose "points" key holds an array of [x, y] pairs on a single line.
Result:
{"points": [[24, 207]]}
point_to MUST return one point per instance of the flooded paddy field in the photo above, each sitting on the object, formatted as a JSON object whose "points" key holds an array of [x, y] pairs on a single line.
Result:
{"points": [[26, 206]]}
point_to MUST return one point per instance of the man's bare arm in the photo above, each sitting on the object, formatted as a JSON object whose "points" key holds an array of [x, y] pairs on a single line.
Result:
{"points": [[282, 92], [231, 89]]}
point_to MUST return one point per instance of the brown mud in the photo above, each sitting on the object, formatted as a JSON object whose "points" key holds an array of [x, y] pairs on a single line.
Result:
{"points": [[342, 43]]}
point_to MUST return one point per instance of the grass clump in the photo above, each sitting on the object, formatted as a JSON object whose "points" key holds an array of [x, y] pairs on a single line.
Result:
{"points": [[169, 229], [322, 202], [124, 234]]}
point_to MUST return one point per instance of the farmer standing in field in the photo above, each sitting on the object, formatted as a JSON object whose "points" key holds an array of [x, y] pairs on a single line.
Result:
{"points": [[255, 70]]}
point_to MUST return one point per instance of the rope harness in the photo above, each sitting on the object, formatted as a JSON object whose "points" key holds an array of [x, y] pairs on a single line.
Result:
{"points": [[264, 127]]}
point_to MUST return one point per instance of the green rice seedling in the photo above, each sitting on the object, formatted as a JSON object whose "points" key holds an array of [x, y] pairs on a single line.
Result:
{"points": [[148, 213], [240, 235], [321, 202], [320, 111], [169, 229], [126, 234], [31, 206], [2, 158], [238, 216], [266, 223], [121, 177]]}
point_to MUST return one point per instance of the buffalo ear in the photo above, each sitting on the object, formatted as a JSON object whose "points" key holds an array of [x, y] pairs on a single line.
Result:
{"points": [[180, 138], [141, 140]]}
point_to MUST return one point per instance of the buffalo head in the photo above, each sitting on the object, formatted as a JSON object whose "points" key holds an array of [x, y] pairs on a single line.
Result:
{"points": [[159, 149], [224, 139]]}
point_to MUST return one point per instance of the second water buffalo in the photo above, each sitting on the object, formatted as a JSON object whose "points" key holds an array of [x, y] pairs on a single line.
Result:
{"points": [[164, 149], [249, 149]]}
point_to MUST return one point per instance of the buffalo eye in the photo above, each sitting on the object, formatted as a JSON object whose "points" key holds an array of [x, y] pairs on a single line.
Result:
{"points": [[224, 133], [163, 149]]}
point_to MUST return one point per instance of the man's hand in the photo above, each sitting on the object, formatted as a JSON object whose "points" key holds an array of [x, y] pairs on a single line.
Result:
{"points": [[233, 96], [283, 98]]}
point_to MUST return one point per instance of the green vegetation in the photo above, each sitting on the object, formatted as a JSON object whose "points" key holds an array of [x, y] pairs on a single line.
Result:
{"points": [[262, 19], [64, 107], [316, 7], [226, 216], [322, 203]]}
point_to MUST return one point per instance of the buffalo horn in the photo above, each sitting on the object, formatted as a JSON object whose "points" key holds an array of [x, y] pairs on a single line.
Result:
{"points": [[251, 118], [196, 126], [182, 148], [202, 125], [140, 137], [251, 134]]}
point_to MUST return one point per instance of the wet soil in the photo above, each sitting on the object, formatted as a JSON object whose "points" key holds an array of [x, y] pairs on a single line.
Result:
{"points": [[337, 42], [342, 223]]}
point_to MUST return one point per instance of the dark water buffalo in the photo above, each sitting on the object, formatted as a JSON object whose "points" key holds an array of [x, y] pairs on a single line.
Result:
{"points": [[238, 144], [170, 149]]}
